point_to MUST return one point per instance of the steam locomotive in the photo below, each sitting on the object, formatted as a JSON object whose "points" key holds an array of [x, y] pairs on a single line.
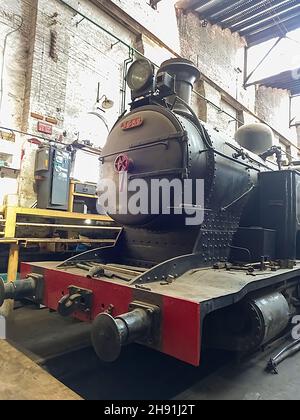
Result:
{"points": [[230, 282]]}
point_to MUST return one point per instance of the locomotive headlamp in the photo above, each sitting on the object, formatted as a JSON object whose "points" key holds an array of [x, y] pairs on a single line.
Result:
{"points": [[140, 75]]}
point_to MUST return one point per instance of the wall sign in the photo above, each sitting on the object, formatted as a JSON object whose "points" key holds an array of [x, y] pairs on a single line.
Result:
{"points": [[44, 128]]}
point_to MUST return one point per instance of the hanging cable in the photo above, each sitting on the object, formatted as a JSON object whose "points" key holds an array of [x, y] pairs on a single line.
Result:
{"points": [[36, 136]]}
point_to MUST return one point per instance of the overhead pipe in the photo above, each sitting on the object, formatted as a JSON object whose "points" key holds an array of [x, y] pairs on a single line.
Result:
{"points": [[119, 40], [135, 51], [131, 52], [126, 63]]}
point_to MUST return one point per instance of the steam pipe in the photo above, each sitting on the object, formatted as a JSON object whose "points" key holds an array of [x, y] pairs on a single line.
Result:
{"points": [[128, 61]]}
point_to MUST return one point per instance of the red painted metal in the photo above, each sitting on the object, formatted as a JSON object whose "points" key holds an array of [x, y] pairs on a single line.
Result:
{"points": [[181, 324], [26, 269], [182, 330], [105, 294], [123, 163]]}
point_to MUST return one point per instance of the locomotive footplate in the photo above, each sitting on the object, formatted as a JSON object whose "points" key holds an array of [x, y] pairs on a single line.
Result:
{"points": [[170, 317]]}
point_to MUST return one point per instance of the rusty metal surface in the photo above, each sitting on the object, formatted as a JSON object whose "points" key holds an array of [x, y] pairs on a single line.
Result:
{"points": [[200, 285], [22, 379]]}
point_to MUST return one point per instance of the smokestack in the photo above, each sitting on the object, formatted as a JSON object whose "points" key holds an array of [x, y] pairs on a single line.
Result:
{"points": [[186, 74]]}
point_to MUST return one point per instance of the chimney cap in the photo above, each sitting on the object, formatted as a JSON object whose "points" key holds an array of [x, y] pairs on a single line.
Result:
{"points": [[185, 70]]}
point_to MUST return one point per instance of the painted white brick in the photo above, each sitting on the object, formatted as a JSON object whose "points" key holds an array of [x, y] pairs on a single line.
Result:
{"points": [[67, 89]]}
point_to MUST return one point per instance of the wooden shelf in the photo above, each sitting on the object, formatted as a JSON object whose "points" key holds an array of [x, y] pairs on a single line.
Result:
{"points": [[66, 227], [56, 214], [26, 241], [64, 221], [64, 241], [8, 241], [85, 196]]}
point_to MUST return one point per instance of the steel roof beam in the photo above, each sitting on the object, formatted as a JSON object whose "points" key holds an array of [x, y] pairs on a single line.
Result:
{"points": [[237, 9], [248, 77], [257, 20], [270, 22], [271, 32], [214, 6], [281, 81], [253, 15], [197, 4]]}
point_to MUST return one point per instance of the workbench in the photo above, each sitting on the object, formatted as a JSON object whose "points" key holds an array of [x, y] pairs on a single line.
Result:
{"points": [[64, 221], [82, 193]]}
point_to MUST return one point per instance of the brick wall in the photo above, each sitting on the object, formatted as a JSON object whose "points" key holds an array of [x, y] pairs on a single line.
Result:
{"points": [[64, 86], [13, 15], [15, 29], [273, 106], [218, 53]]}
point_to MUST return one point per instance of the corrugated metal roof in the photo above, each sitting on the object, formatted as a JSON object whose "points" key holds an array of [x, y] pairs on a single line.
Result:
{"points": [[287, 80], [257, 20]]}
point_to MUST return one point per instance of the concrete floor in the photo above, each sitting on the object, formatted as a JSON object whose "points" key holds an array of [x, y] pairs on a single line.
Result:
{"points": [[249, 381], [21, 379], [62, 347]]}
